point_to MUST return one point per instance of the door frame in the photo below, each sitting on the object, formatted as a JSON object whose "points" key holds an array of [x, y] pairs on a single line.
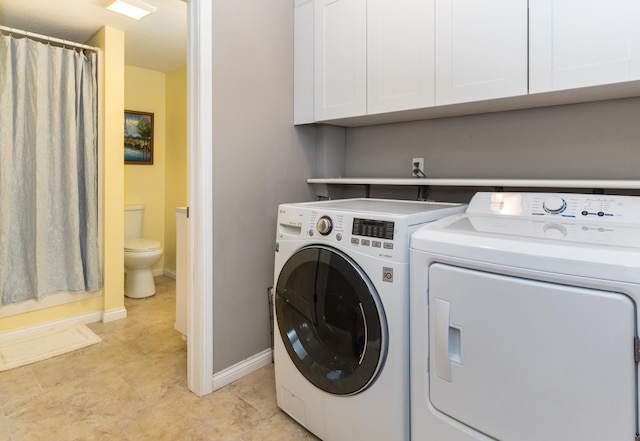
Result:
{"points": [[200, 197]]}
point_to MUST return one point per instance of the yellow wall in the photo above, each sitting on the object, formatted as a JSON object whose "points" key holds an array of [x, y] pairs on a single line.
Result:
{"points": [[145, 184], [176, 158], [133, 88], [112, 42], [113, 178]]}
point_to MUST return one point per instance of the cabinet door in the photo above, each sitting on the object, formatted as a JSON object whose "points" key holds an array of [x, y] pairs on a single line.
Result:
{"points": [[481, 50], [340, 58], [577, 43], [303, 62], [400, 51]]}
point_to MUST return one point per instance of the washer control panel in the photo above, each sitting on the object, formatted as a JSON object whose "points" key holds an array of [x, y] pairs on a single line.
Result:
{"points": [[606, 208], [373, 228], [364, 232], [377, 237]]}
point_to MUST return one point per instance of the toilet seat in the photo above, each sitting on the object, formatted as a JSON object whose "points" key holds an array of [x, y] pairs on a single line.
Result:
{"points": [[139, 245]]}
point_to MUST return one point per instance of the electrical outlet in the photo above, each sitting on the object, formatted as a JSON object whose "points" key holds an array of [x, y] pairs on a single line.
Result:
{"points": [[420, 166]]}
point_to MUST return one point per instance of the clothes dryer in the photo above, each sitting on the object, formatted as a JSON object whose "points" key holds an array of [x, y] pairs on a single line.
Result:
{"points": [[341, 314], [524, 320]]}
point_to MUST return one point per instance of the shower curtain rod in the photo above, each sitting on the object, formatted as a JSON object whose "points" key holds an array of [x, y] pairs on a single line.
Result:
{"points": [[47, 38]]}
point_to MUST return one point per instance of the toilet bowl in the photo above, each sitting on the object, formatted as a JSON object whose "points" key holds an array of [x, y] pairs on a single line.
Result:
{"points": [[139, 255]]}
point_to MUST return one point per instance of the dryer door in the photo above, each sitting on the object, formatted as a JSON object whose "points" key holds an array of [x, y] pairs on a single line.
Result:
{"points": [[331, 320], [529, 360]]}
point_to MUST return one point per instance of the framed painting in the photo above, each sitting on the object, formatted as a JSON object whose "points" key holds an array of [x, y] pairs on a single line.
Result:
{"points": [[138, 137]]}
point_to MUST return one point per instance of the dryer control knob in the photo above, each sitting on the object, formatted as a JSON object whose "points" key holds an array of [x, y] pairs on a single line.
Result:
{"points": [[554, 205], [324, 225]]}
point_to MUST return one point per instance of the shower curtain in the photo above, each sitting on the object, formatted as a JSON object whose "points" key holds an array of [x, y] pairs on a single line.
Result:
{"points": [[48, 170]]}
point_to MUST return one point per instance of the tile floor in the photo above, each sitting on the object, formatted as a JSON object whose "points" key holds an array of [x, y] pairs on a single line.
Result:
{"points": [[132, 387]]}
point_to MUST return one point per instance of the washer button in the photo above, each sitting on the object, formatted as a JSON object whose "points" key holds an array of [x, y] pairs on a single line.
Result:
{"points": [[376, 244], [388, 245], [338, 237], [365, 242], [355, 240]]}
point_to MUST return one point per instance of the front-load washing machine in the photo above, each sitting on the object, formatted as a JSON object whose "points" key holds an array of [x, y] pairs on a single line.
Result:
{"points": [[524, 320], [341, 314]]}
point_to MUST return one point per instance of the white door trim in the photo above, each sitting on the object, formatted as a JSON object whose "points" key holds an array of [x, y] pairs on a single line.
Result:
{"points": [[200, 171]]}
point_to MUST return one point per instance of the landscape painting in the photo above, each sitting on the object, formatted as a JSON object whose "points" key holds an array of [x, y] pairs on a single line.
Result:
{"points": [[138, 137]]}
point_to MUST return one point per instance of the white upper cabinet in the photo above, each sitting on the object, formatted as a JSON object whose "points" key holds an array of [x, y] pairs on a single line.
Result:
{"points": [[578, 43], [340, 58], [481, 50], [409, 59], [400, 55]]}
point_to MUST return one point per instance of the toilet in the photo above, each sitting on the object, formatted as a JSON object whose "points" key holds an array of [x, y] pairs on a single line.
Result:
{"points": [[139, 255]]}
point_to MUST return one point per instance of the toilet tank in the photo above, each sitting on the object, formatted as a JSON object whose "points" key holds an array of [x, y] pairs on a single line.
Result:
{"points": [[133, 215]]}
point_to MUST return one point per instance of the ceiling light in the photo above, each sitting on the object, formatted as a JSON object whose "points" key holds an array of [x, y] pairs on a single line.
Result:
{"points": [[135, 9]]}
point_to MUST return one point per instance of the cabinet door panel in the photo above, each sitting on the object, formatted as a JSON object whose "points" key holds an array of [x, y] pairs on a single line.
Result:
{"points": [[400, 52], [481, 50], [577, 43], [303, 107], [340, 58]]}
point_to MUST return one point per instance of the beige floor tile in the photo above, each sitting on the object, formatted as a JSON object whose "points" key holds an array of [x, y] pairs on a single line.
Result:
{"points": [[258, 389], [132, 387], [80, 364], [18, 386], [5, 435], [219, 416], [152, 381], [280, 424], [71, 409]]}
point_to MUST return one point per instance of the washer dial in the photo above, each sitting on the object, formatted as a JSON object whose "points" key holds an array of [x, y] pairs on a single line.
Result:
{"points": [[324, 225]]}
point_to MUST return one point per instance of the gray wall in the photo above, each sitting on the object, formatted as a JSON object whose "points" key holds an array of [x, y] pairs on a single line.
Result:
{"points": [[259, 161], [599, 140]]}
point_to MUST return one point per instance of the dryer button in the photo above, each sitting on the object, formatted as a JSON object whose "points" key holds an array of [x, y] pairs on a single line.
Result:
{"points": [[388, 245]]}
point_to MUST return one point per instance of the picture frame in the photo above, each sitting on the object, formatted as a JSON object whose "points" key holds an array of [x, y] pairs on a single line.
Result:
{"points": [[138, 137]]}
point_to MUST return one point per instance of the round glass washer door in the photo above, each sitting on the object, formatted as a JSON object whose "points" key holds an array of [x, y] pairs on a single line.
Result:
{"points": [[331, 320]]}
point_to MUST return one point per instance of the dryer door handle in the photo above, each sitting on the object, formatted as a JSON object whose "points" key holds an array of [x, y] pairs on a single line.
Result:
{"points": [[446, 340]]}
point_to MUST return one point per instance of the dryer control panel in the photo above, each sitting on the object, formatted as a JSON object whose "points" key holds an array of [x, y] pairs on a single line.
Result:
{"points": [[603, 208], [584, 218]]}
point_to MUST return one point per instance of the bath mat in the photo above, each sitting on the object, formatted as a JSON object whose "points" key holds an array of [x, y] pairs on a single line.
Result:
{"points": [[45, 344]]}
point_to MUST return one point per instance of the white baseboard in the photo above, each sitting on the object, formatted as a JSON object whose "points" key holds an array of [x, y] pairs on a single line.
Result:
{"points": [[239, 370], [157, 272], [169, 273], [27, 331], [114, 314]]}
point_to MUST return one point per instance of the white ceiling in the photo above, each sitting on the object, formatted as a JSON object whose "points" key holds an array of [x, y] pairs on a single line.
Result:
{"points": [[158, 41]]}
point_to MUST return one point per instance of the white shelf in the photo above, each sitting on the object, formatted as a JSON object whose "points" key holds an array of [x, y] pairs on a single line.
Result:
{"points": [[546, 183]]}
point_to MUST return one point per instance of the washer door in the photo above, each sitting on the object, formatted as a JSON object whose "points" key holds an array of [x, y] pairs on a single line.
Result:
{"points": [[331, 320]]}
